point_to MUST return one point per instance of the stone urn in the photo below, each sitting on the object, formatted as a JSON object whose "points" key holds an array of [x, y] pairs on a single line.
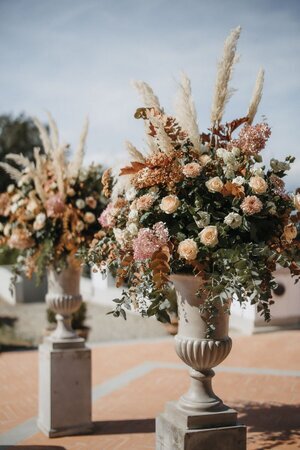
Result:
{"points": [[199, 419], [196, 350], [64, 298]]}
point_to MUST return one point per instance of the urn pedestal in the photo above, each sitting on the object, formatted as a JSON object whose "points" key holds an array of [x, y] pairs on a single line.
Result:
{"points": [[64, 363], [199, 419]]}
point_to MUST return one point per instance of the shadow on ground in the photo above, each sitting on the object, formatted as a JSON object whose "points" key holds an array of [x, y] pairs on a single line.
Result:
{"points": [[31, 447], [273, 424], [124, 426]]}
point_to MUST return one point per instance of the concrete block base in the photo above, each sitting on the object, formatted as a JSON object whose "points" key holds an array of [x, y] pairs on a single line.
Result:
{"points": [[171, 436], [64, 388]]}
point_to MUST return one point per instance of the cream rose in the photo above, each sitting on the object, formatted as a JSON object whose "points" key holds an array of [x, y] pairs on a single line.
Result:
{"points": [[290, 232], [169, 204], [258, 185], [79, 226], [191, 170], [214, 184], [188, 249], [89, 217], [80, 203], [204, 159], [209, 236], [296, 199]]}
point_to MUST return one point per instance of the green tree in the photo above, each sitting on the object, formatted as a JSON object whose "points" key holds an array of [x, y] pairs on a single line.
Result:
{"points": [[17, 135]]}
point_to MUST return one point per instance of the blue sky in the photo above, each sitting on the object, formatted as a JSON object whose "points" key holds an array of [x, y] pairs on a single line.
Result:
{"points": [[78, 57]]}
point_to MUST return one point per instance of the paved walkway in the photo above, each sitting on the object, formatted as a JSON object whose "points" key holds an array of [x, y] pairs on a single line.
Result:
{"points": [[133, 380]]}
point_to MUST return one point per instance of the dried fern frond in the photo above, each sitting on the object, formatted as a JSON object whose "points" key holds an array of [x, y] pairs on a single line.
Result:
{"points": [[256, 96], [76, 164], [134, 152], [222, 92], [160, 266], [43, 135], [14, 173], [147, 95], [54, 135], [186, 112]]}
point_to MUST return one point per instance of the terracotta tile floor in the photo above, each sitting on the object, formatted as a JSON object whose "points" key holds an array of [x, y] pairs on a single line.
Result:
{"points": [[260, 378]]}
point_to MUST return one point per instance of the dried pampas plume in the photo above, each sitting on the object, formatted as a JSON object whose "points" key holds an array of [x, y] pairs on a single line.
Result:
{"points": [[256, 96], [186, 112], [43, 135], [121, 183], [76, 164], [53, 131], [134, 153], [147, 95], [222, 92], [14, 173]]}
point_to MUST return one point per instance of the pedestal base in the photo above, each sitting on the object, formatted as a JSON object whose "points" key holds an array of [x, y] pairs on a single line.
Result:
{"points": [[64, 388], [171, 436]]}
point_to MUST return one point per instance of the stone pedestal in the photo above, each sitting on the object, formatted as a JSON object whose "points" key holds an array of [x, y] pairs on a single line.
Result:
{"points": [[64, 388], [173, 436]]}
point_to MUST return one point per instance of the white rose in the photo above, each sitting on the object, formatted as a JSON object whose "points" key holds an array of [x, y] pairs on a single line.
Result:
{"points": [[258, 171], [188, 249], [296, 199], [80, 203], [169, 204], [233, 220], [130, 194], [39, 222], [89, 217], [214, 184], [258, 185], [239, 180], [10, 188], [209, 236]]}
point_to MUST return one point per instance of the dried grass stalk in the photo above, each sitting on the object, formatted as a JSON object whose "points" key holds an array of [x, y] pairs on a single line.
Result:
{"points": [[222, 92], [256, 96], [186, 112]]}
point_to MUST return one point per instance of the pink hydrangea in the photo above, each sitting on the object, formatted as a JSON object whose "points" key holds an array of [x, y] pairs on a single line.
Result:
{"points": [[106, 218], [148, 241], [55, 206], [252, 138]]}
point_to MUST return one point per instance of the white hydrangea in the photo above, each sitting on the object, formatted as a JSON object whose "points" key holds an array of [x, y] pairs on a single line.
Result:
{"points": [[239, 180], [233, 220], [130, 194]]}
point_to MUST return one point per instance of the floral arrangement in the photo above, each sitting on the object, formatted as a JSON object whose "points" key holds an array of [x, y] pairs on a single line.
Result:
{"points": [[50, 212], [199, 203]]}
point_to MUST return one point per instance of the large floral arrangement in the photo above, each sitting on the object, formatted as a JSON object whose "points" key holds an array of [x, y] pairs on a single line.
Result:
{"points": [[198, 203], [50, 210]]}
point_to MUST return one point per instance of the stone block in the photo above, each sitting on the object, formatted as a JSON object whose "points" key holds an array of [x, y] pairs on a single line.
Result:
{"points": [[171, 436], [64, 389]]}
